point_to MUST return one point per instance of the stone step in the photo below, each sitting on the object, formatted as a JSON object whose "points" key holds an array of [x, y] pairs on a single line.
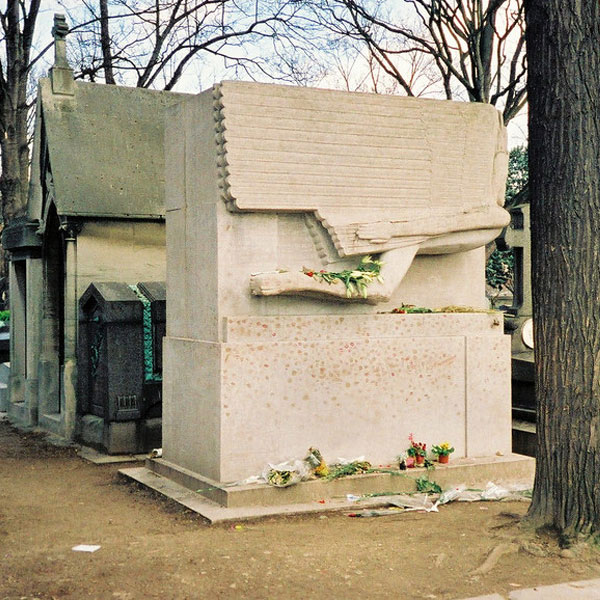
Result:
{"points": [[574, 590], [221, 502]]}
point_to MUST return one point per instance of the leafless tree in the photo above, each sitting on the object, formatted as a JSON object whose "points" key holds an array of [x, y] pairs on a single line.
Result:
{"points": [[18, 20], [151, 43], [146, 43], [477, 46]]}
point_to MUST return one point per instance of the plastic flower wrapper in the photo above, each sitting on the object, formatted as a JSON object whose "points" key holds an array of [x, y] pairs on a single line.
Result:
{"points": [[286, 473], [317, 462]]}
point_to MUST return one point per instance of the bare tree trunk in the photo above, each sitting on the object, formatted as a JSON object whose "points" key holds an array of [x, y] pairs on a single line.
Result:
{"points": [[563, 40], [13, 111], [18, 27], [15, 153], [105, 43]]}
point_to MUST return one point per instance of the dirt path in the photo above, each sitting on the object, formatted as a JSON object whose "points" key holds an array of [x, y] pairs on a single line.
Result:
{"points": [[51, 500]]}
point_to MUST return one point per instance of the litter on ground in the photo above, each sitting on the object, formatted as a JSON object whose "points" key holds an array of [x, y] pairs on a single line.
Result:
{"points": [[85, 548]]}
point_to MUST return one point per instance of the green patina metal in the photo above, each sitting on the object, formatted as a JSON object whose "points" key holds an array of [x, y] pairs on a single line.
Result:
{"points": [[96, 344], [149, 373]]}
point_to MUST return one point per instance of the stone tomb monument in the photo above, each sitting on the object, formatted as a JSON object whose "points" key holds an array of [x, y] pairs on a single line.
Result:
{"points": [[121, 327], [261, 360]]}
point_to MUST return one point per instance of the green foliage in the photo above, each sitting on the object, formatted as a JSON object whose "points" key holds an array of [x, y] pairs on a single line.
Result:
{"points": [[424, 485], [442, 449], [518, 174], [357, 280], [343, 470], [499, 270], [5, 316], [409, 309], [149, 374]]}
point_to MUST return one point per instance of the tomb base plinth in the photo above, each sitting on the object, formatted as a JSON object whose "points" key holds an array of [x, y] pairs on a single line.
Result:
{"points": [[220, 503], [351, 386]]}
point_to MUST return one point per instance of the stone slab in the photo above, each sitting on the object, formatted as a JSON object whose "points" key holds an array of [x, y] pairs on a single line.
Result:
{"points": [[215, 513], [487, 381], [99, 458], [259, 500], [324, 327], [350, 386], [575, 590], [488, 597], [474, 473]]}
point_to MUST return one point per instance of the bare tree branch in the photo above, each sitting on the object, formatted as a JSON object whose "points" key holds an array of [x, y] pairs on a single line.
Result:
{"points": [[476, 45]]}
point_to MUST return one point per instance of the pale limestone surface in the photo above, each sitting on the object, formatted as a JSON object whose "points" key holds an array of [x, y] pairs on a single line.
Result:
{"points": [[212, 251], [274, 375], [423, 168], [573, 590], [122, 251], [218, 502], [373, 174], [350, 386]]}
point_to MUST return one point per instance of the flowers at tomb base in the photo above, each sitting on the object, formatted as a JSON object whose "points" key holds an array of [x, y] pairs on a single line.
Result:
{"points": [[356, 281], [442, 451], [409, 309], [317, 462], [417, 450]]}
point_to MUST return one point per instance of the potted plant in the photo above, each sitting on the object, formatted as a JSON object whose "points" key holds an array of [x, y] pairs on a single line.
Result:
{"points": [[443, 452], [417, 450]]}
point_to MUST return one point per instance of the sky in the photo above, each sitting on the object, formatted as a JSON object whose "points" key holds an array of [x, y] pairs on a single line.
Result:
{"points": [[517, 128]]}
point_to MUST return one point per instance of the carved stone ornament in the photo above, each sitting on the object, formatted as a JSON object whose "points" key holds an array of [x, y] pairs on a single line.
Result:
{"points": [[384, 175], [71, 226]]}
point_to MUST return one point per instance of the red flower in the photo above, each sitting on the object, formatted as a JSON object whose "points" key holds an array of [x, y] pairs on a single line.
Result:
{"points": [[309, 273]]}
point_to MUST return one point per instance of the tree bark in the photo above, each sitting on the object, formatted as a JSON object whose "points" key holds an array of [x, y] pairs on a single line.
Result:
{"points": [[563, 40], [105, 43], [18, 28], [13, 112]]}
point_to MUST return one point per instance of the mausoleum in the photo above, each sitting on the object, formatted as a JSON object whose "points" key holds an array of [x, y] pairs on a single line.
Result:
{"points": [[271, 190], [95, 214], [300, 222]]}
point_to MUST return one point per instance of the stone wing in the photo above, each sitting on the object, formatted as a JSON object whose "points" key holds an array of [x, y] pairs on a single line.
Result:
{"points": [[353, 159]]}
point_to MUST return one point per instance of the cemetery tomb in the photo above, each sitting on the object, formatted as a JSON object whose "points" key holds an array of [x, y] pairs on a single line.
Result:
{"points": [[274, 195], [120, 330]]}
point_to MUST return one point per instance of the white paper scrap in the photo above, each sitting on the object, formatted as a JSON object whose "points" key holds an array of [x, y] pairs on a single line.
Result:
{"points": [[85, 548]]}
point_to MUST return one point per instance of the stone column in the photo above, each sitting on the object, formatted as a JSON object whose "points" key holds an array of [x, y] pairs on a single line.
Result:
{"points": [[69, 388], [17, 333], [33, 318], [21, 239]]}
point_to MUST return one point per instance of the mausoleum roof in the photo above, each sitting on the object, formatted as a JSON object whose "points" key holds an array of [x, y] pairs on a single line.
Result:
{"points": [[106, 149]]}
